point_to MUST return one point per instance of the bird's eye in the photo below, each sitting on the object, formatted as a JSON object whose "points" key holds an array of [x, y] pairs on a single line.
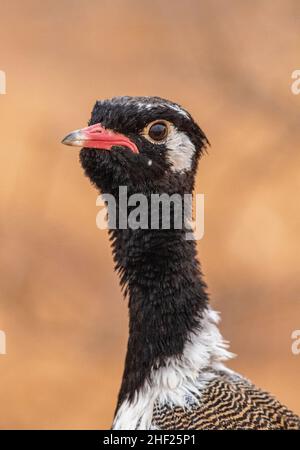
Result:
{"points": [[158, 131]]}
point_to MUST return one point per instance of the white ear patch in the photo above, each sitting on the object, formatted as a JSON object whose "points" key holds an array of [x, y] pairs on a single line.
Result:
{"points": [[180, 150]]}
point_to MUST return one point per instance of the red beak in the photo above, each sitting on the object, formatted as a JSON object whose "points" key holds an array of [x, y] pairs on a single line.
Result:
{"points": [[96, 136]]}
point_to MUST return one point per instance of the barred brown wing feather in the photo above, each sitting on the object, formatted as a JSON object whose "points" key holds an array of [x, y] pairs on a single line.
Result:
{"points": [[228, 403]]}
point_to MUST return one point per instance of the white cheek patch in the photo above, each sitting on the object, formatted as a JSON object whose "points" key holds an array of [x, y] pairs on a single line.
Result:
{"points": [[180, 150]]}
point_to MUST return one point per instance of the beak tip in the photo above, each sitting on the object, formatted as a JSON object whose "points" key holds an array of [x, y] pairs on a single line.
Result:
{"points": [[65, 141], [72, 139]]}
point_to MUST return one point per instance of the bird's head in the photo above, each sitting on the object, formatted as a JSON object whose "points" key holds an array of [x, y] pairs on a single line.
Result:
{"points": [[138, 142]]}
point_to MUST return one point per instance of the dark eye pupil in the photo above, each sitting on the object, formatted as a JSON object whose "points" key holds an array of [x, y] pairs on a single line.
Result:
{"points": [[158, 131]]}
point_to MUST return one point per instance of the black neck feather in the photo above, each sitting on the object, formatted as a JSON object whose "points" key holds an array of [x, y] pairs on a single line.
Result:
{"points": [[162, 279]]}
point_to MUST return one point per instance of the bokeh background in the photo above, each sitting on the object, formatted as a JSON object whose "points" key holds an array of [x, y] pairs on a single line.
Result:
{"points": [[230, 64]]}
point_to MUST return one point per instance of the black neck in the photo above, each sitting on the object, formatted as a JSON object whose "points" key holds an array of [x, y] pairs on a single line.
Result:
{"points": [[162, 278], [158, 271]]}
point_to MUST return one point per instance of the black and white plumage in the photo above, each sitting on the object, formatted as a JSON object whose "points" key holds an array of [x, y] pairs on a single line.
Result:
{"points": [[174, 376]]}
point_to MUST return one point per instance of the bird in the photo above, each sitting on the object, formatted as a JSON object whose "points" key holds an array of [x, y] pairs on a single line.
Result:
{"points": [[175, 375]]}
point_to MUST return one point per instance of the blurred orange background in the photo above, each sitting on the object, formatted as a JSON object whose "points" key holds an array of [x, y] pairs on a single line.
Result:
{"points": [[230, 64]]}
